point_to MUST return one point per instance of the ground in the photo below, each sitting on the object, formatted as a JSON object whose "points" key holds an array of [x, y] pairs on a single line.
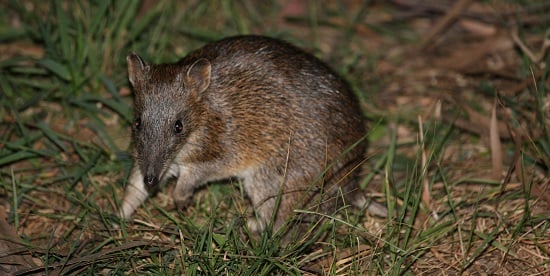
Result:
{"points": [[456, 97]]}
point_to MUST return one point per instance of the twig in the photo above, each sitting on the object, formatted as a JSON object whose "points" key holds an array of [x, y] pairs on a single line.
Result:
{"points": [[445, 22], [495, 144], [426, 187], [535, 58]]}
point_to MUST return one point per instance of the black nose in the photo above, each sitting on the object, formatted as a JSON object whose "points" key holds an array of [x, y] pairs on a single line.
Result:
{"points": [[151, 181]]}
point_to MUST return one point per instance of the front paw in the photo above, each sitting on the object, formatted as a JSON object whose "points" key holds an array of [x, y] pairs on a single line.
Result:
{"points": [[182, 201]]}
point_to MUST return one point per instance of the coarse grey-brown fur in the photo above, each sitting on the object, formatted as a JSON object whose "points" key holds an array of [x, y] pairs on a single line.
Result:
{"points": [[250, 107]]}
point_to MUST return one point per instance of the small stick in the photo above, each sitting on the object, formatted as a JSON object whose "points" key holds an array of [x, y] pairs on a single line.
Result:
{"points": [[445, 22], [426, 187], [496, 146]]}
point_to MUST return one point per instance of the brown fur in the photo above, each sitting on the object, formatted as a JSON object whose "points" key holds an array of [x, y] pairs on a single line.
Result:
{"points": [[254, 108]]}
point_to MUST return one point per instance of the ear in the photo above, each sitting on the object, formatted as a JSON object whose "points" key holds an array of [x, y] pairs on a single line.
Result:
{"points": [[137, 68], [198, 74]]}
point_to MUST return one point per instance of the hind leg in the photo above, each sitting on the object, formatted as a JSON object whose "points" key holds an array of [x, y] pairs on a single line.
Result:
{"points": [[265, 189], [262, 188], [272, 192]]}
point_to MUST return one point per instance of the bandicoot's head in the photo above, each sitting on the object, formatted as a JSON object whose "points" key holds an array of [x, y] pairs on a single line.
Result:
{"points": [[166, 102]]}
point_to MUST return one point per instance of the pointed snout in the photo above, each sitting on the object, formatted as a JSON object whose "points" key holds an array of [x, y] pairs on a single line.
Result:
{"points": [[151, 181]]}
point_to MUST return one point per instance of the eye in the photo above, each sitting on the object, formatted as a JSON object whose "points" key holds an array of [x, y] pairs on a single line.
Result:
{"points": [[137, 123], [178, 127]]}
